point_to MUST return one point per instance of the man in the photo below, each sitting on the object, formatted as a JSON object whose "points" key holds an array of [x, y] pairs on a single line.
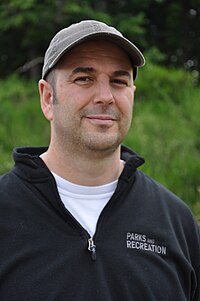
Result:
{"points": [[78, 221]]}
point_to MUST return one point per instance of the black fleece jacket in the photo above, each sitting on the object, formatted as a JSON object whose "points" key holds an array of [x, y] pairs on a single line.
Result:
{"points": [[146, 246]]}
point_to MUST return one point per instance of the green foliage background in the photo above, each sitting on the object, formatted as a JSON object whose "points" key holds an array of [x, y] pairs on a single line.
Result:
{"points": [[165, 129], [171, 27]]}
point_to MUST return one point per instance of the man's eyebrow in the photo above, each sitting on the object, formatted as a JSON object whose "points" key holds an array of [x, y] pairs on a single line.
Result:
{"points": [[83, 70], [122, 73]]}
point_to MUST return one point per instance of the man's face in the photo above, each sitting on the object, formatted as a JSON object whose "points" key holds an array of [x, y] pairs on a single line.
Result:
{"points": [[94, 98]]}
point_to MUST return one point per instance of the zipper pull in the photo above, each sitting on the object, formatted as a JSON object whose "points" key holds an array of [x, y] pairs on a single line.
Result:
{"points": [[92, 248]]}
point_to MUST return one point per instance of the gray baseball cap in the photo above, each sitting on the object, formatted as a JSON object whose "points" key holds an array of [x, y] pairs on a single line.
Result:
{"points": [[78, 33]]}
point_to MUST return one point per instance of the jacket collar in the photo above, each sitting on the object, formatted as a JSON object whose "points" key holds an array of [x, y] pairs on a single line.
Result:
{"points": [[28, 163]]}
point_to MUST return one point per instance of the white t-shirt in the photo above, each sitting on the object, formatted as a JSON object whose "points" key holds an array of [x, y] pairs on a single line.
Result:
{"points": [[85, 203]]}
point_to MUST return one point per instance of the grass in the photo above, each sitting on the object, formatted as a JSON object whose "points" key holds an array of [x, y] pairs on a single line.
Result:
{"points": [[22, 122], [166, 131]]}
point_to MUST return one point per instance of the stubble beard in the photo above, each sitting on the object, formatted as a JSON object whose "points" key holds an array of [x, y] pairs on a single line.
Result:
{"points": [[77, 139], [102, 140]]}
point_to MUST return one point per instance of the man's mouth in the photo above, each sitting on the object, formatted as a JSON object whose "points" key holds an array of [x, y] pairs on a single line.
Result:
{"points": [[101, 119]]}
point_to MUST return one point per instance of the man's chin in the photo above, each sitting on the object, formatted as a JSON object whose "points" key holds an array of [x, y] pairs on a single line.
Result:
{"points": [[102, 145]]}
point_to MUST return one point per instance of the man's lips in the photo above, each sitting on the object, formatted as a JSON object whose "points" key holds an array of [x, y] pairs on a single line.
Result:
{"points": [[101, 119]]}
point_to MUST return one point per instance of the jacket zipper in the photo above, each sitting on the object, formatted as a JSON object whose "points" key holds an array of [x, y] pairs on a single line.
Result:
{"points": [[91, 244], [92, 248]]}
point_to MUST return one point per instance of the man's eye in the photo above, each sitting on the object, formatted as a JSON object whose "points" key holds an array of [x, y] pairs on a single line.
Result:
{"points": [[83, 79], [120, 82]]}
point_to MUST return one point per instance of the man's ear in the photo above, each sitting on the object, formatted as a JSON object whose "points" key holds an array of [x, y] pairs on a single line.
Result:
{"points": [[46, 98]]}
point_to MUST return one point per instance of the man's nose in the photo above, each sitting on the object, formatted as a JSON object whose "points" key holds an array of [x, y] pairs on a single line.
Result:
{"points": [[103, 93]]}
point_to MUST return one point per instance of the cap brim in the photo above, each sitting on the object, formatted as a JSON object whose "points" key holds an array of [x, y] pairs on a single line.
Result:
{"points": [[134, 53]]}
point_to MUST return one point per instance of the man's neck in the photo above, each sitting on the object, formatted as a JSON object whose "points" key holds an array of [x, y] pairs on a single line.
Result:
{"points": [[86, 170]]}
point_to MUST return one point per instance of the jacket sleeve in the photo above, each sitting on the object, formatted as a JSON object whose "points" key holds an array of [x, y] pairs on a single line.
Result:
{"points": [[197, 272], [197, 292]]}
